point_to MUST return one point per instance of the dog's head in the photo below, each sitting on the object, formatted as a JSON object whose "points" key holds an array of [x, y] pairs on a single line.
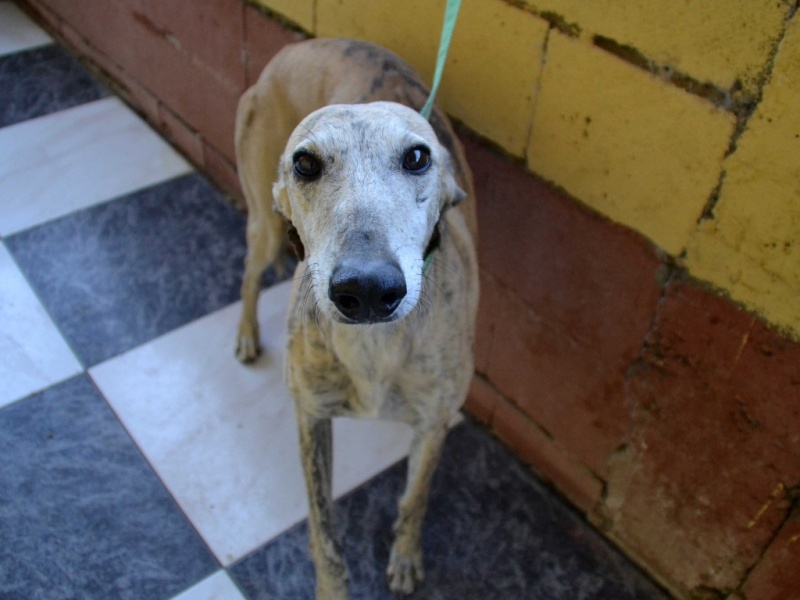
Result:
{"points": [[364, 187]]}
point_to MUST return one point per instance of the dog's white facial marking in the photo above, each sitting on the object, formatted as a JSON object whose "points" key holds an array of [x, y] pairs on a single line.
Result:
{"points": [[365, 185]]}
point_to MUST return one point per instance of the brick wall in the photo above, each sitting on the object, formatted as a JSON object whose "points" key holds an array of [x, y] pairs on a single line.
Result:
{"points": [[183, 70], [639, 204]]}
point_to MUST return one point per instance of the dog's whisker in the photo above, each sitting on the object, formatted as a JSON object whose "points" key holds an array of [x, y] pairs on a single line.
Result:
{"points": [[310, 309], [433, 282], [422, 312], [309, 301]]}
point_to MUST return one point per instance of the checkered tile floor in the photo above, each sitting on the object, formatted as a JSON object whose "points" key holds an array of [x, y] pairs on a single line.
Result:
{"points": [[139, 459]]}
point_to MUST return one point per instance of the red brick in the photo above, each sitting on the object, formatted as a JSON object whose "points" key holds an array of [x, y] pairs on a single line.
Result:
{"points": [[210, 32], [186, 139], [105, 25], [482, 400], [223, 172], [778, 573], [263, 38], [597, 280], [145, 54], [488, 307], [703, 485], [691, 326], [766, 378], [577, 298], [545, 455], [81, 47], [139, 98], [44, 15], [201, 100], [119, 80], [574, 392]]}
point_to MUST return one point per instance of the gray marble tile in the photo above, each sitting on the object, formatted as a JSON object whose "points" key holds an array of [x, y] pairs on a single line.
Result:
{"points": [[82, 515], [492, 532], [43, 80], [116, 275]]}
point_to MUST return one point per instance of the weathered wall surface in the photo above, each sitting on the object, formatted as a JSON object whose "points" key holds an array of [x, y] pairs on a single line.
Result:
{"points": [[638, 172], [636, 109]]}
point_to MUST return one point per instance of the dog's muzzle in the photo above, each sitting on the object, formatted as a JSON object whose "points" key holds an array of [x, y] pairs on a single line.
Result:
{"points": [[367, 291]]}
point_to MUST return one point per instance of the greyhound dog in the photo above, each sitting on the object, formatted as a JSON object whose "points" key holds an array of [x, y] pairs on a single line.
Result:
{"points": [[379, 207]]}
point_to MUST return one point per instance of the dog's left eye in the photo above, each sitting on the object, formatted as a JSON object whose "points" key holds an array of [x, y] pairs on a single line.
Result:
{"points": [[307, 166], [417, 159]]}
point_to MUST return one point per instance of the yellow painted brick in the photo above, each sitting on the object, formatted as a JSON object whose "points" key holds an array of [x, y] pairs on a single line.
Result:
{"points": [[494, 62], [718, 42], [494, 66], [636, 149], [298, 11], [746, 281], [752, 248], [410, 28]]}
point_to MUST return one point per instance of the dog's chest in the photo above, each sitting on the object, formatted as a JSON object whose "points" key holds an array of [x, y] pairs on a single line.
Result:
{"points": [[375, 362]]}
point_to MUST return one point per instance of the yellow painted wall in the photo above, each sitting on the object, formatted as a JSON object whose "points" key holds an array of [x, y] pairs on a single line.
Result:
{"points": [[592, 95], [627, 143], [751, 247], [720, 41], [486, 84]]}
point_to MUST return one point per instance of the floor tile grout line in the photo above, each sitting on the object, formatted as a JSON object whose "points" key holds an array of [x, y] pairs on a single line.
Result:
{"points": [[193, 585], [84, 368], [110, 99], [100, 203], [44, 306], [189, 170], [26, 49], [155, 472], [33, 28]]}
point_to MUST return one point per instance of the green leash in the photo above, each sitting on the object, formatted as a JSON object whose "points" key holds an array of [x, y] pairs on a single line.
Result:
{"points": [[450, 16]]}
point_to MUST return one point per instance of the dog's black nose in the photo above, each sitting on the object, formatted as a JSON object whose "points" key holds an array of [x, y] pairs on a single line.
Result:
{"points": [[367, 292]]}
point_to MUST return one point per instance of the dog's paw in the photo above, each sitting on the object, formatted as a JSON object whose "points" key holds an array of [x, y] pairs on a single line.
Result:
{"points": [[247, 346], [405, 572]]}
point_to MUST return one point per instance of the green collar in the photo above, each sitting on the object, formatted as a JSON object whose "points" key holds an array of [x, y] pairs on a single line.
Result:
{"points": [[430, 250], [426, 265]]}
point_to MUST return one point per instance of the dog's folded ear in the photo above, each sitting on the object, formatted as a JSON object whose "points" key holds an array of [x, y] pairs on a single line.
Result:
{"points": [[296, 242], [280, 199], [282, 206], [452, 194]]}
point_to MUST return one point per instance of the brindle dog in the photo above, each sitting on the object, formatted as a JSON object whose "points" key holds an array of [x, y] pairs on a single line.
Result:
{"points": [[380, 208]]}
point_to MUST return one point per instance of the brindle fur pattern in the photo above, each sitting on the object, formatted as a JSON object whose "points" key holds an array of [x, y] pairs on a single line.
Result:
{"points": [[346, 102]]}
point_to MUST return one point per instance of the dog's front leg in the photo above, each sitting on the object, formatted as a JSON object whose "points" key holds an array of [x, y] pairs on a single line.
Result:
{"points": [[405, 569], [316, 441], [265, 231], [261, 132]]}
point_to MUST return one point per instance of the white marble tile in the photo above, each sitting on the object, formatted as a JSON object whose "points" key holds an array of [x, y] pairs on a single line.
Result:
{"points": [[34, 355], [17, 31], [223, 436], [75, 158], [216, 587]]}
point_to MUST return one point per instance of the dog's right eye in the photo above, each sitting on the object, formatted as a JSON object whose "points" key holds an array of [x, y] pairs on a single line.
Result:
{"points": [[417, 160], [306, 166]]}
